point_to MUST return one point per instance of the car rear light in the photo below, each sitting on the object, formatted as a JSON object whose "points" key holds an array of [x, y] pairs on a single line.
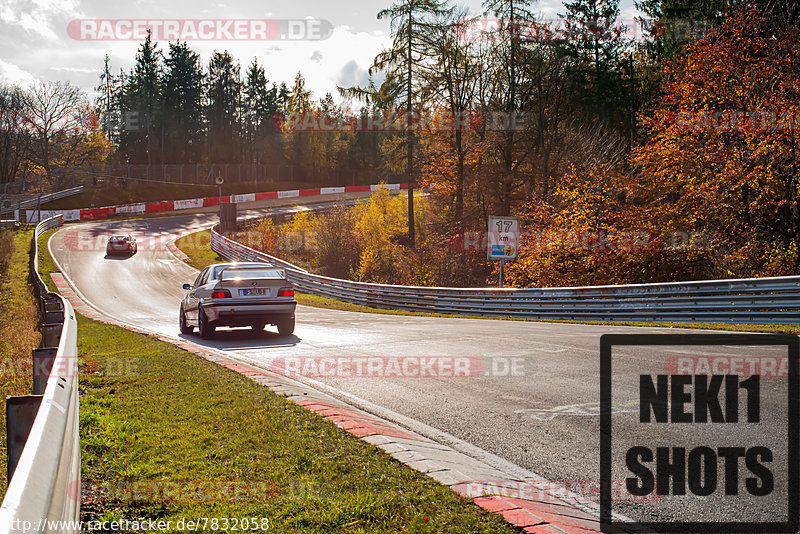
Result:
{"points": [[224, 294], [286, 292]]}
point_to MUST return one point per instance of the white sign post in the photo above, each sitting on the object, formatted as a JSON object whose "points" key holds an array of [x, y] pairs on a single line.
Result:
{"points": [[503, 243]]}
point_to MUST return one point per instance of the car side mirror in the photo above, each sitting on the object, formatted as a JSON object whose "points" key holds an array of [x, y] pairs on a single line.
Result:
{"points": [[187, 287]]}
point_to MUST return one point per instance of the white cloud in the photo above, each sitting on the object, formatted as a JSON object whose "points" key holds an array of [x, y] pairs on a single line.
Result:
{"points": [[7, 15], [351, 74], [12, 74], [57, 6], [35, 44], [74, 69], [37, 25]]}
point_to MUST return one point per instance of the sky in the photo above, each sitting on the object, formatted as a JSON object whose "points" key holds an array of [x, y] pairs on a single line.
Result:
{"points": [[37, 41]]}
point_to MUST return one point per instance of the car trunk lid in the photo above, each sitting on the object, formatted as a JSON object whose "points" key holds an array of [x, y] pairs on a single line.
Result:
{"points": [[260, 282]]}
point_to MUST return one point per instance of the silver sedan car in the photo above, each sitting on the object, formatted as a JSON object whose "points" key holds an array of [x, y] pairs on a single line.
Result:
{"points": [[238, 294]]}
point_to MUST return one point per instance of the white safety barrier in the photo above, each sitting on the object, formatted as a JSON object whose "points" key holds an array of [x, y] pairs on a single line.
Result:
{"points": [[44, 493]]}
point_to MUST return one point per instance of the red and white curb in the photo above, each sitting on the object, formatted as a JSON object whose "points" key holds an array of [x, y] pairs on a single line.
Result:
{"points": [[547, 511]]}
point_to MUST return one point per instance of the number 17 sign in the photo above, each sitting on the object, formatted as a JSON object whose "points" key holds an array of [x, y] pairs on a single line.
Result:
{"points": [[503, 238]]}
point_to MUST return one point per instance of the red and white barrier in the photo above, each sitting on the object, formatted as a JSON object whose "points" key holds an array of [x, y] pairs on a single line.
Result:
{"points": [[88, 214]]}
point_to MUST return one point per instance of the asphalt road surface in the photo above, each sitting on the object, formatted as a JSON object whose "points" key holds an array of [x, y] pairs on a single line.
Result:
{"points": [[532, 397]]}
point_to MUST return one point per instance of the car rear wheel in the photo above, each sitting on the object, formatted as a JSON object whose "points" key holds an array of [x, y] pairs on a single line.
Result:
{"points": [[185, 327], [205, 327], [286, 326]]}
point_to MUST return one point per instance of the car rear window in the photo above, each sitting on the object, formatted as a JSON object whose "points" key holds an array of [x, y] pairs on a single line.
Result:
{"points": [[250, 274]]}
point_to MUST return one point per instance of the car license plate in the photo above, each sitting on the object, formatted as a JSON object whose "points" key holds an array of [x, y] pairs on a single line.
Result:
{"points": [[248, 292]]}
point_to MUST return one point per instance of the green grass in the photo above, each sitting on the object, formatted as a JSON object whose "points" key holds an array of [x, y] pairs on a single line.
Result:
{"points": [[19, 323], [201, 256], [151, 413], [197, 247], [46, 264]]}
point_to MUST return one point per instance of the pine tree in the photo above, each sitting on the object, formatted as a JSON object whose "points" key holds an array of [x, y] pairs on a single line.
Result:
{"points": [[183, 86], [108, 103], [259, 108], [143, 91], [223, 110], [593, 49]]}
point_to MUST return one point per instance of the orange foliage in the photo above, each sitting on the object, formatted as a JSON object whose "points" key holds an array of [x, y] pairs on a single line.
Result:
{"points": [[722, 149]]}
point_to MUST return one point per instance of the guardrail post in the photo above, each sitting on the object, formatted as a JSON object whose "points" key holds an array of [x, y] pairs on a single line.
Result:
{"points": [[20, 413], [51, 334], [53, 313], [42, 366]]}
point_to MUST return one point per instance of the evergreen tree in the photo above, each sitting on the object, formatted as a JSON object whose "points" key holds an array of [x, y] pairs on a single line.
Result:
{"points": [[142, 95], [223, 110], [283, 96], [183, 86], [259, 108], [107, 104], [593, 49]]}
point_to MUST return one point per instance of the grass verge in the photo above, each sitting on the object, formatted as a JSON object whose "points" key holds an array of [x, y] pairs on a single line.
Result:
{"points": [[197, 248], [19, 322], [170, 436], [46, 264], [153, 414]]}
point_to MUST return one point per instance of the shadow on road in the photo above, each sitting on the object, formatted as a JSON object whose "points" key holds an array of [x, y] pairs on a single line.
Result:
{"points": [[243, 338]]}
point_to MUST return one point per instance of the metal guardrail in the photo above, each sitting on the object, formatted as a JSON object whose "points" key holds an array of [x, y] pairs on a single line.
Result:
{"points": [[43, 493], [36, 201], [750, 300]]}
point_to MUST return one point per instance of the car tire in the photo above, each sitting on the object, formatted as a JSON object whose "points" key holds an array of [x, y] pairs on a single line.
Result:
{"points": [[258, 327], [185, 327], [286, 326], [204, 326]]}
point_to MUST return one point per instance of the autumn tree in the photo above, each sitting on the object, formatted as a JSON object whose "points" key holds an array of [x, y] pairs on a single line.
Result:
{"points": [[15, 141], [64, 130], [451, 86], [722, 149], [410, 20]]}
